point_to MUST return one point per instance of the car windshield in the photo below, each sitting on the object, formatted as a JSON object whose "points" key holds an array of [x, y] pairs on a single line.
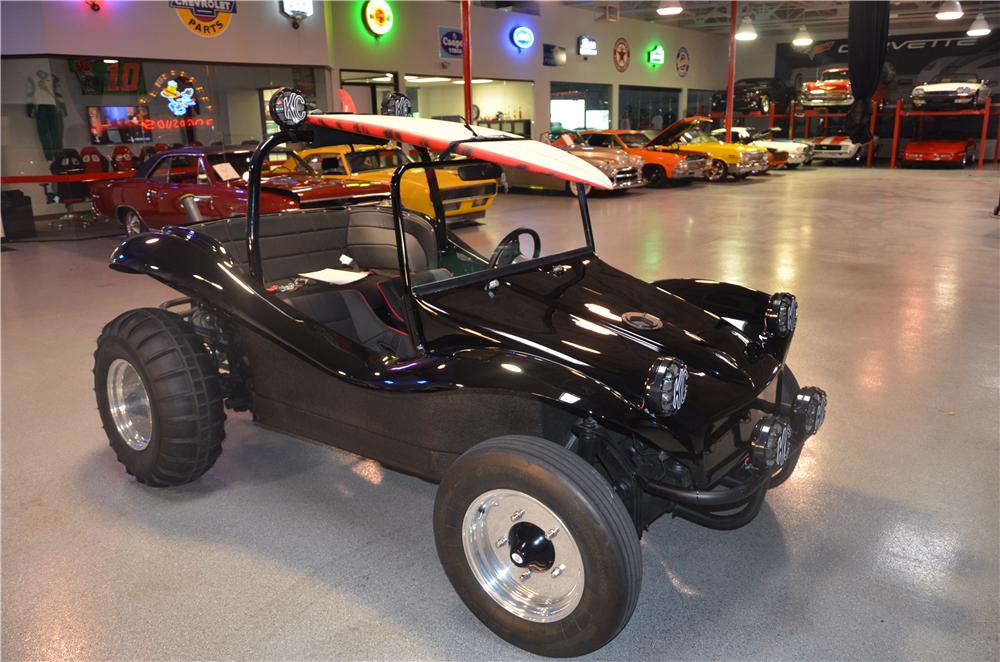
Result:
{"points": [[834, 74], [956, 78], [370, 159], [515, 238], [697, 136], [636, 139], [234, 165]]}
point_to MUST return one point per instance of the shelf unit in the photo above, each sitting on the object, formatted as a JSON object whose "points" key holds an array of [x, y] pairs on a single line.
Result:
{"points": [[984, 112], [809, 114]]}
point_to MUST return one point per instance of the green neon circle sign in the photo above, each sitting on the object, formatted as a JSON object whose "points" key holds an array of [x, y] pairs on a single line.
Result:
{"points": [[377, 16]]}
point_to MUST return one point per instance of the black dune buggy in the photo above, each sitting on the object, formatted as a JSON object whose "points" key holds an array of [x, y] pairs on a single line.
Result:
{"points": [[562, 404]]}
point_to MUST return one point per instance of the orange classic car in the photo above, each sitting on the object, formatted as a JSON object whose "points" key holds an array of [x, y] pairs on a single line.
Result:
{"points": [[663, 164]]}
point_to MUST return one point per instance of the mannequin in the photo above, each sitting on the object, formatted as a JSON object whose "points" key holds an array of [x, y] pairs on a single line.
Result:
{"points": [[46, 106]]}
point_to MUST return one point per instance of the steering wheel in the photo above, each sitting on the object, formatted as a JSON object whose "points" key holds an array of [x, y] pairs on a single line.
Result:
{"points": [[509, 248]]}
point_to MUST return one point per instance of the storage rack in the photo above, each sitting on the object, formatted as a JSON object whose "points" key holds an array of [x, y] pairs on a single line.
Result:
{"points": [[901, 112], [824, 116]]}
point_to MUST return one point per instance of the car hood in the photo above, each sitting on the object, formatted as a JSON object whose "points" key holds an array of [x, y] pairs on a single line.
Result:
{"points": [[945, 87], [833, 140], [925, 146], [574, 318], [598, 155], [829, 86], [308, 187]]}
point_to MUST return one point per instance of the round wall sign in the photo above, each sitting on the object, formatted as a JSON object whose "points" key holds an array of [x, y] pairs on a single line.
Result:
{"points": [[377, 15], [683, 62], [205, 19], [622, 54]]}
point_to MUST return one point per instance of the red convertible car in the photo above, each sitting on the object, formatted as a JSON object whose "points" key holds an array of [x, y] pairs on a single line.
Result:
{"points": [[957, 153], [216, 178]]}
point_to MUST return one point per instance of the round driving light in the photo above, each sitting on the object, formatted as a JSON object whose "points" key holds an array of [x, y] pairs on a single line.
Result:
{"points": [[809, 410], [769, 442], [781, 315], [666, 387]]}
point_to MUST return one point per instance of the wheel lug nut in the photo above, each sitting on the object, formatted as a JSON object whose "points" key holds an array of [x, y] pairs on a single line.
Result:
{"points": [[525, 575], [552, 533], [502, 541], [559, 570], [516, 516]]}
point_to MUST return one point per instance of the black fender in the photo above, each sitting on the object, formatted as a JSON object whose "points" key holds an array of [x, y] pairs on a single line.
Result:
{"points": [[199, 267]]}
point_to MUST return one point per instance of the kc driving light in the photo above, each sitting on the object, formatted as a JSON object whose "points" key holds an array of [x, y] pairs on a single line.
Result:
{"points": [[781, 315], [769, 442], [666, 387], [809, 410]]}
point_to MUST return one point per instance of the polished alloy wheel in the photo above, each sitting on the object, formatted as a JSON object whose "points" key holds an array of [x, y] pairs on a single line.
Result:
{"points": [[765, 104], [133, 224], [716, 171], [129, 404], [523, 556]]}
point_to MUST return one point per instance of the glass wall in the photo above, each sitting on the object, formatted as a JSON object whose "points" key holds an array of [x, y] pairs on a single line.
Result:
{"points": [[499, 104], [647, 107], [96, 114], [699, 102], [368, 89], [578, 106]]}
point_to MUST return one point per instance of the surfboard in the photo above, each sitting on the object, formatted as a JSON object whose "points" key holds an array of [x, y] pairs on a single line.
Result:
{"points": [[438, 135]]}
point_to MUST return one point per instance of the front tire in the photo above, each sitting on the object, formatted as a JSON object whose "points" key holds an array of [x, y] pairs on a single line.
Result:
{"points": [[655, 176], [538, 546], [159, 397], [133, 223], [716, 171]]}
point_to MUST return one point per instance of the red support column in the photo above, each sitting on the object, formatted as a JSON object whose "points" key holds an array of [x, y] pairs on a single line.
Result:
{"points": [[732, 70], [467, 57], [982, 136], [791, 119], [996, 142], [806, 121], [895, 133], [871, 129]]}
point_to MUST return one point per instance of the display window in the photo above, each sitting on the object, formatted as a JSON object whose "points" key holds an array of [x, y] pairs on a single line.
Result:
{"points": [[506, 105], [94, 115], [579, 106], [368, 89], [699, 102], [647, 107]]}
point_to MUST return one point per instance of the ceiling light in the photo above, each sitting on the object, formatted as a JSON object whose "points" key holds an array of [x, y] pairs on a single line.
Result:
{"points": [[746, 31], [474, 81], [112, 61], [802, 38], [949, 11], [979, 27], [669, 8], [429, 79]]}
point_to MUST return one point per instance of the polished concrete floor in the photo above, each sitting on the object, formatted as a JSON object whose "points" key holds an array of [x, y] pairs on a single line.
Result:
{"points": [[884, 545]]}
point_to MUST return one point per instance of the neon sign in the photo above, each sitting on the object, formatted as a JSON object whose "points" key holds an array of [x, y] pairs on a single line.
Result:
{"points": [[586, 45], [377, 15], [656, 55], [178, 123], [178, 101], [522, 37]]}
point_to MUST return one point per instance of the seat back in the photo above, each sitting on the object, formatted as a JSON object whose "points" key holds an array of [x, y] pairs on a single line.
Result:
{"points": [[300, 241]]}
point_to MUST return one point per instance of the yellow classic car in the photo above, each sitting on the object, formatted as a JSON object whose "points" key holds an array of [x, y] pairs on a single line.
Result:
{"points": [[466, 191], [691, 134]]}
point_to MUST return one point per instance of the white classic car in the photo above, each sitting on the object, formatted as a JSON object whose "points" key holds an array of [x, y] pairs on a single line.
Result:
{"points": [[841, 148], [798, 152], [956, 90]]}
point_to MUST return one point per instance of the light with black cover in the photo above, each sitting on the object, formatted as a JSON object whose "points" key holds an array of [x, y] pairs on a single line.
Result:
{"points": [[288, 108], [666, 387]]}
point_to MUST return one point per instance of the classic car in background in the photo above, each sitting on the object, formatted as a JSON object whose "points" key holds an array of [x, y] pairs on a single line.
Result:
{"points": [[956, 153], [214, 176], [662, 164], [692, 135], [832, 90], [466, 191], [956, 90], [796, 153], [841, 148], [623, 169], [755, 95]]}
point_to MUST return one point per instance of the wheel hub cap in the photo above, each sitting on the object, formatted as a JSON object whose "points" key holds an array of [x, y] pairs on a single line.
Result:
{"points": [[129, 405], [523, 556]]}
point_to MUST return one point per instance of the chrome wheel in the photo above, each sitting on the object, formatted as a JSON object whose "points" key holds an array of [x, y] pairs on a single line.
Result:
{"points": [[133, 224], [523, 556], [716, 171], [765, 104], [128, 402], [574, 188]]}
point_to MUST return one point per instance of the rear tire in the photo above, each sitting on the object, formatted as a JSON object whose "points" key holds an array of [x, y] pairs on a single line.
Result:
{"points": [[655, 176], [159, 397], [792, 166], [510, 482]]}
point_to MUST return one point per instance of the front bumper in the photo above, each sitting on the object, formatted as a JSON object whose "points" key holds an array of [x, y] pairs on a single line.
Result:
{"points": [[839, 154], [626, 178], [820, 101], [934, 158], [689, 169], [944, 101]]}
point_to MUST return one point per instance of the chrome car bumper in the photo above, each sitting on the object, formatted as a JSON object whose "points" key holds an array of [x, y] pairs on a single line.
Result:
{"points": [[626, 178], [824, 102]]}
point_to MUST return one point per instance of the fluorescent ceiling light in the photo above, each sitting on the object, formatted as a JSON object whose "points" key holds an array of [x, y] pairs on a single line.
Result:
{"points": [[112, 61], [429, 79], [979, 27], [949, 11], [746, 31], [474, 81], [382, 79], [669, 8], [802, 38]]}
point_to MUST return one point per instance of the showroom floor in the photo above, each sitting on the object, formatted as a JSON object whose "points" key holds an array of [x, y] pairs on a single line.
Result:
{"points": [[883, 545]]}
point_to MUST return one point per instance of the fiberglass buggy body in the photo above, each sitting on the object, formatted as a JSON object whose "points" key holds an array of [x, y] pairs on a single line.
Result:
{"points": [[562, 404]]}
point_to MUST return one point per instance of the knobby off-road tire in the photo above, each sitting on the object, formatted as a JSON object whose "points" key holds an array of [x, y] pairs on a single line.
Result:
{"points": [[587, 594], [159, 397]]}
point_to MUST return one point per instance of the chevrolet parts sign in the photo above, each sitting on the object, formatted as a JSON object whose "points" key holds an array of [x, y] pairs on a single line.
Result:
{"points": [[205, 18]]}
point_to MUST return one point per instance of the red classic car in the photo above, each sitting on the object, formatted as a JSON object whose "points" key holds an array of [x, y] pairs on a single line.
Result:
{"points": [[833, 89], [215, 177], [958, 153]]}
